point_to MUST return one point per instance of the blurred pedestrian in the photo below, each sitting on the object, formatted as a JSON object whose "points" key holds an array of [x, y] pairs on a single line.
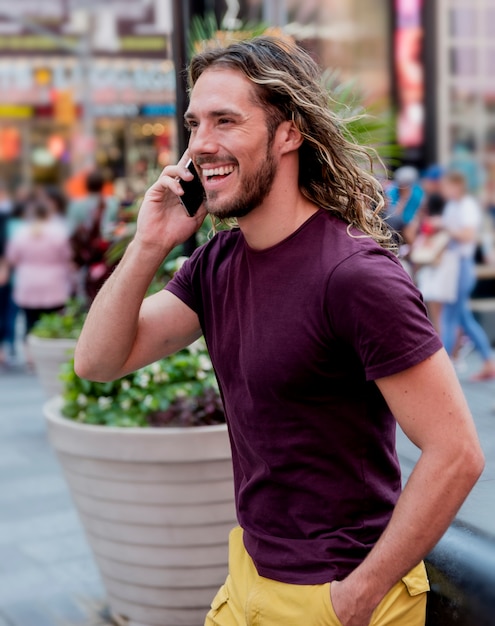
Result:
{"points": [[23, 196], [437, 280], [490, 199], [40, 253], [404, 198], [462, 220], [464, 161], [6, 203], [56, 199], [82, 211], [432, 185], [6, 206], [92, 221], [139, 179]]}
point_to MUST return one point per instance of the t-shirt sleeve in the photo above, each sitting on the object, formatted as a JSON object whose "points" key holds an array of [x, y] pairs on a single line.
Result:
{"points": [[373, 305], [182, 284], [192, 283]]}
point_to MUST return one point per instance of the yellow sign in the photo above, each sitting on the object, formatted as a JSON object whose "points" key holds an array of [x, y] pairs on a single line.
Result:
{"points": [[34, 42], [143, 44], [42, 76], [16, 110]]}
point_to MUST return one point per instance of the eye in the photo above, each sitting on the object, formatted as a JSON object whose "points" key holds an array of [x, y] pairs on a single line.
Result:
{"points": [[190, 125], [225, 120]]}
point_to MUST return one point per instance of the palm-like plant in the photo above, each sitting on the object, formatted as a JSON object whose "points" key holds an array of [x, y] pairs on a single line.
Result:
{"points": [[206, 32], [363, 125]]}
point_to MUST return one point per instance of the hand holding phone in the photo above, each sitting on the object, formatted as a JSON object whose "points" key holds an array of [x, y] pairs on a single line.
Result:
{"points": [[194, 193]]}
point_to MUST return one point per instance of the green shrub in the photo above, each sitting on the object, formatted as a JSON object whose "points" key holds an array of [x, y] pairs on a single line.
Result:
{"points": [[66, 324], [180, 390]]}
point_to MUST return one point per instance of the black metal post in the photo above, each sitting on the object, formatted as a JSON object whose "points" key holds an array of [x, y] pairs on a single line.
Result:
{"points": [[181, 20], [182, 12]]}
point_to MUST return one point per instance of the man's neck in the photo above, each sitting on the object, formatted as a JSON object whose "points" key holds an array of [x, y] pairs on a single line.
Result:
{"points": [[276, 219]]}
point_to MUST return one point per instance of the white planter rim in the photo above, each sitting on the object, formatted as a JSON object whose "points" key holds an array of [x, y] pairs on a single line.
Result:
{"points": [[177, 444], [59, 341], [54, 406]]}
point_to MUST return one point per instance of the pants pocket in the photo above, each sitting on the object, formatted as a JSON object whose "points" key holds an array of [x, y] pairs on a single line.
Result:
{"points": [[416, 581], [272, 603], [333, 620], [405, 603], [217, 604]]}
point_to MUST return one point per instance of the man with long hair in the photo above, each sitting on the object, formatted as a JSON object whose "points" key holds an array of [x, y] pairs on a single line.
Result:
{"points": [[320, 343]]}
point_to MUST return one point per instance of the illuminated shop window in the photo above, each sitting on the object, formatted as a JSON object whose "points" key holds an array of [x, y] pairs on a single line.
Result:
{"points": [[466, 88]]}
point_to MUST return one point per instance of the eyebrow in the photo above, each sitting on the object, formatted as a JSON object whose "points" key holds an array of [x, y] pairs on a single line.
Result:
{"points": [[189, 115]]}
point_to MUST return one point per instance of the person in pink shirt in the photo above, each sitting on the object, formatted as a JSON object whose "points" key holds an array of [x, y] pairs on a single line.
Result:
{"points": [[40, 255]]}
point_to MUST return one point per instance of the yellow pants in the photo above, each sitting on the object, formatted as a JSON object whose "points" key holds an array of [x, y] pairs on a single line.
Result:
{"points": [[247, 599]]}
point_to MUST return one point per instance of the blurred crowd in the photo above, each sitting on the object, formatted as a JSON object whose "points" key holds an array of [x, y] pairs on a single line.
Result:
{"points": [[53, 245], [446, 234]]}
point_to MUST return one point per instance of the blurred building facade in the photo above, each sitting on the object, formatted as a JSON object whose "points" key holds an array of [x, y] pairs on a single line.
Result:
{"points": [[466, 84], [431, 61], [83, 86], [103, 84]]}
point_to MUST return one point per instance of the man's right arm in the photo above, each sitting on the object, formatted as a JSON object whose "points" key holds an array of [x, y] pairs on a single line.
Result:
{"points": [[125, 330]]}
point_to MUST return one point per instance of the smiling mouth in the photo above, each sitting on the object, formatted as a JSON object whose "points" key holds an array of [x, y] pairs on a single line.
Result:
{"points": [[218, 173]]}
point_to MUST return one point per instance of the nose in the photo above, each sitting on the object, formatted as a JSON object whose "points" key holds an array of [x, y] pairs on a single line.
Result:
{"points": [[202, 140]]}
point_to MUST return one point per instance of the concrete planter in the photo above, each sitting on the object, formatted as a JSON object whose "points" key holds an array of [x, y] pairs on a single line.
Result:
{"points": [[48, 355], [157, 505]]}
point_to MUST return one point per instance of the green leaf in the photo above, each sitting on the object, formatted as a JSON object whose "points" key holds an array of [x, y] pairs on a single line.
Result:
{"points": [[66, 324]]}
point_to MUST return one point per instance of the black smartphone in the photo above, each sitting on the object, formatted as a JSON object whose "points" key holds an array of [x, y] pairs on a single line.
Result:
{"points": [[194, 193]]}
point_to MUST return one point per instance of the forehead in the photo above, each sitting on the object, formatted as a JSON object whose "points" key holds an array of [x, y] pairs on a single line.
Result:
{"points": [[219, 88]]}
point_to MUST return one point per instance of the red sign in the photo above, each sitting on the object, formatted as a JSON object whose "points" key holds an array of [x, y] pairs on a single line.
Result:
{"points": [[409, 72]]}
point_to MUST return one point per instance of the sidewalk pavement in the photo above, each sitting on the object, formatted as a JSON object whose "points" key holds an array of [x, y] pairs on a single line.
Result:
{"points": [[46, 567], [479, 509], [47, 573]]}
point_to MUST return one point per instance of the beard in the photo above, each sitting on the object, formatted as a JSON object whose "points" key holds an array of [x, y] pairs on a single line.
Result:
{"points": [[253, 190]]}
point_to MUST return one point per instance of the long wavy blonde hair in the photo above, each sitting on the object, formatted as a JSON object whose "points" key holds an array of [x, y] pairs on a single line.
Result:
{"points": [[333, 169]]}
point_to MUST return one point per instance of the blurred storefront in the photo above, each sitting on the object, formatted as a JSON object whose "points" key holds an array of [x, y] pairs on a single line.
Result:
{"points": [[129, 85], [41, 132], [466, 87], [444, 55], [99, 88], [429, 61], [378, 45], [125, 78], [350, 37]]}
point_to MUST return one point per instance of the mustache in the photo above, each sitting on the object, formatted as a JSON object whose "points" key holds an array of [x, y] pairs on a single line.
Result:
{"points": [[213, 160]]}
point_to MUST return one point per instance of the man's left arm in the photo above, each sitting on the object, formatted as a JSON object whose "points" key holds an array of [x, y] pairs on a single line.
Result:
{"points": [[428, 403]]}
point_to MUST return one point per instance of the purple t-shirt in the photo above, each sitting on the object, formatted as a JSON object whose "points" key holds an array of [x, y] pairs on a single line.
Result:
{"points": [[297, 334]]}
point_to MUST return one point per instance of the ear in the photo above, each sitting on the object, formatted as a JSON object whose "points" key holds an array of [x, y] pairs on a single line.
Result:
{"points": [[288, 138]]}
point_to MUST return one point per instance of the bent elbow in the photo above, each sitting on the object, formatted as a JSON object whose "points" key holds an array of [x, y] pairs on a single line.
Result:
{"points": [[84, 368], [480, 464], [83, 371], [472, 463]]}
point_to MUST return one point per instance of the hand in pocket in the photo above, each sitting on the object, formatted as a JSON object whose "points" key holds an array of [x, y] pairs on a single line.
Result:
{"points": [[345, 606]]}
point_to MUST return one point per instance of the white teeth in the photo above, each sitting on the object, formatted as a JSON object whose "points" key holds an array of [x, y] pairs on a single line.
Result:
{"points": [[219, 171]]}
